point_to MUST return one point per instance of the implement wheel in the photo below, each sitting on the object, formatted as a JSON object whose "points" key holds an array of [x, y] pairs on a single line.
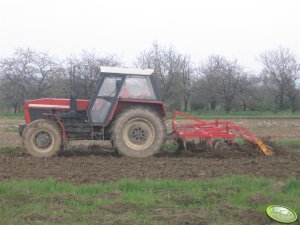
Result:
{"points": [[219, 144], [42, 138], [138, 132]]}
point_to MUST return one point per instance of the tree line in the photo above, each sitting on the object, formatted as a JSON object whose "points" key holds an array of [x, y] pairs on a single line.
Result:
{"points": [[215, 83]]}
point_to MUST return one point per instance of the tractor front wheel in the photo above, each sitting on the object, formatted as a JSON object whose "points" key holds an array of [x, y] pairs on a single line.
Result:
{"points": [[138, 132], [42, 138]]}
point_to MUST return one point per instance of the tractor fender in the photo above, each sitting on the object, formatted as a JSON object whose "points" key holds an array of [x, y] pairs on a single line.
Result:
{"points": [[122, 104]]}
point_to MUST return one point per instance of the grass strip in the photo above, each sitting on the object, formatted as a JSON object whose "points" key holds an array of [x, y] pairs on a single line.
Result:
{"points": [[19, 115], [234, 200]]}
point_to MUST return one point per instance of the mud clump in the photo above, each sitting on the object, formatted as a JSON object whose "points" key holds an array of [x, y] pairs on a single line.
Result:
{"points": [[277, 186], [249, 217], [119, 207], [179, 216], [258, 199], [186, 200]]}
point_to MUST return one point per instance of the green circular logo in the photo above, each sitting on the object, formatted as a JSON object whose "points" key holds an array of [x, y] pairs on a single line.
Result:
{"points": [[281, 214]]}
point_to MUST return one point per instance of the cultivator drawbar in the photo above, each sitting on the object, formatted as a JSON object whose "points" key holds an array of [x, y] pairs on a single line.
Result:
{"points": [[218, 134]]}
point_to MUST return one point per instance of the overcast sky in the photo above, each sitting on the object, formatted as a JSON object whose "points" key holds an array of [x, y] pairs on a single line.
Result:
{"points": [[234, 28]]}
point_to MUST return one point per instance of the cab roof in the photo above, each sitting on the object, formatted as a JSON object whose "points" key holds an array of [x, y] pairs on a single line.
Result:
{"points": [[126, 70]]}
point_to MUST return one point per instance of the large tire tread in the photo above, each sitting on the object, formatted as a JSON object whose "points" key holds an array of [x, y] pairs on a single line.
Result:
{"points": [[138, 112], [42, 125]]}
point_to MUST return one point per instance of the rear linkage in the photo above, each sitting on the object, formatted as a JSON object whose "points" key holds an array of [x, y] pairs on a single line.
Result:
{"points": [[212, 132]]}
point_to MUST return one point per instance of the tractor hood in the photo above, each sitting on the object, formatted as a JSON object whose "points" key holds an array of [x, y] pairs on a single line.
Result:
{"points": [[55, 104]]}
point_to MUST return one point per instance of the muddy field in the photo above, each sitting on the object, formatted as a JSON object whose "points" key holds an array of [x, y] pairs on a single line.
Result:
{"points": [[101, 165]]}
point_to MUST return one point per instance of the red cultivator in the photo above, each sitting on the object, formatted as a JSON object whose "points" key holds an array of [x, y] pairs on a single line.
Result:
{"points": [[218, 134]]}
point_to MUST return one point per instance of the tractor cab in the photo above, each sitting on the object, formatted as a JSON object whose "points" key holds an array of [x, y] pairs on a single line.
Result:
{"points": [[120, 83]]}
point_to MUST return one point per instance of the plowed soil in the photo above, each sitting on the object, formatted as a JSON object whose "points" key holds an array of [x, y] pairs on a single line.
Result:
{"points": [[98, 166], [101, 165]]}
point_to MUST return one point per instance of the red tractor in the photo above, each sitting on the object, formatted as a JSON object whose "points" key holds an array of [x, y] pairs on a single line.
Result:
{"points": [[126, 109]]}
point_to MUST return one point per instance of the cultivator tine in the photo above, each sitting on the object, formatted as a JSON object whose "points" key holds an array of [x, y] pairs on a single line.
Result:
{"points": [[184, 145], [267, 150]]}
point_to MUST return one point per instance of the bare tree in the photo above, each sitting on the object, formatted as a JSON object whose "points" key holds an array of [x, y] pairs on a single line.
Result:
{"points": [[187, 80], [83, 71], [281, 67], [249, 95], [208, 82], [27, 74], [11, 95], [167, 65], [225, 80]]}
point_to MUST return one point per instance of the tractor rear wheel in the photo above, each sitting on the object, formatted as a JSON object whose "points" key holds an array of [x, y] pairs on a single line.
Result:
{"points": [[42, 138], [138, 132]]}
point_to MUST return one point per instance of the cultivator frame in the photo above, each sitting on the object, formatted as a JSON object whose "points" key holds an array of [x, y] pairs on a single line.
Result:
{"points": [[213, 132]]}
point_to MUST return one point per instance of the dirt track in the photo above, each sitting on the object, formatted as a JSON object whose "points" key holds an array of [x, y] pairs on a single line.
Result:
{"points": [[95, 166]]}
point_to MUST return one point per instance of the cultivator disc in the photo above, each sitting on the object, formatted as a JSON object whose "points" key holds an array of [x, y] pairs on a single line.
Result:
{"points": [[218, 134]]}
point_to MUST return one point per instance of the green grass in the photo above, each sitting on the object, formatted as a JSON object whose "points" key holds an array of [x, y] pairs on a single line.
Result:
{"points": [[19, 115], [11, 129], [291, 143], [236, 200], [12, 149], [208, 114]]}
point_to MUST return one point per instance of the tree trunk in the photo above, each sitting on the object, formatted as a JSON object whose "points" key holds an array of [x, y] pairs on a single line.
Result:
{"points": [[281, 96], [227, 106], [213, 104], [185, 106], [293, 107], [244, 106], [293, 103], [15, 108]]}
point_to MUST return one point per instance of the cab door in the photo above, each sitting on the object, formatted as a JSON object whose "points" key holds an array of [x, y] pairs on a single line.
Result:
{"points": [[105, 99]]}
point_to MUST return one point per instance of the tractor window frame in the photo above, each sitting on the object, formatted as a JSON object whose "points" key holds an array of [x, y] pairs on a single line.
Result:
{"points": [[109, 98], [155, 87]]}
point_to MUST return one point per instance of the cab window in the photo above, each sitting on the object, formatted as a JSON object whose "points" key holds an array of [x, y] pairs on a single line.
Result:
{"points": [[137, 87], [109, 87]]}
